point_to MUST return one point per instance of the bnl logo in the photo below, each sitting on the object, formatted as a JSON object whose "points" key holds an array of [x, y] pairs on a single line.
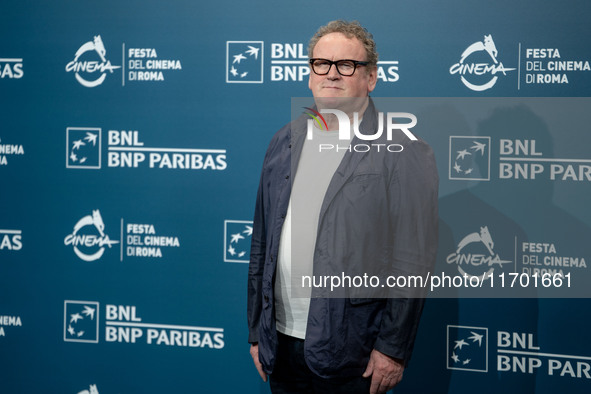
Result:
{"points": [[81, 321], [244, 61], [83, 147], [467, 348], [237, 237], [469, 158]]}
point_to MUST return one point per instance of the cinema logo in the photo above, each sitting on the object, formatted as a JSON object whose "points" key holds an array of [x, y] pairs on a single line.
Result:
{"points": [[138, 240], [143, 241], [546, 66], [144, 64], [475, 257], [546, 258], [516, 352], [289, 63], [90, 65], [88, 239], [92, 389], [345, 130], [483, 72]]}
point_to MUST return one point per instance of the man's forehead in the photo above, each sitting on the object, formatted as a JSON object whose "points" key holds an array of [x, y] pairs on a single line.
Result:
{"points": [[338, 44]]}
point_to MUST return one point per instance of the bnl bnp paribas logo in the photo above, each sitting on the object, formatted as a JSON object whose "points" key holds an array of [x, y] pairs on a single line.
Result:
{"points": [[11, 68], [81, 321], [467, 348], [514, 353], [479, 68], [83, 147], [469, 158], [88, 238], [237, 238], [11, 239], [245, 63], [126, 150]]}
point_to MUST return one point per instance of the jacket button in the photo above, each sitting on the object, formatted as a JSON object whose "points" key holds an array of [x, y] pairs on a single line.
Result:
{"points": [[266, 298], [287, 177]]}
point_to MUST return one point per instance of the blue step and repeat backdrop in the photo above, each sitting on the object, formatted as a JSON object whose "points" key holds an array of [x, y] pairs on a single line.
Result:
{"points": [[132, 135]]}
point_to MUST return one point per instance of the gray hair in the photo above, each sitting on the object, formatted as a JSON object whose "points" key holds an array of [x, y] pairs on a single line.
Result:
{"points": [[350, 30]]}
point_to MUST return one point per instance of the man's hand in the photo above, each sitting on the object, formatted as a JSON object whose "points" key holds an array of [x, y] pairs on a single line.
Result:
{"points": [[254, 352], [385, 372]]}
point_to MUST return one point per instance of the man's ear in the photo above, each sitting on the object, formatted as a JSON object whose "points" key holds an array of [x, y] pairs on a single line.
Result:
{"points": [[373, 79]]}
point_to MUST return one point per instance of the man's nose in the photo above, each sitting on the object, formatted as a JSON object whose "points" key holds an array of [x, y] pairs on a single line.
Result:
{"points": [[333, 73]]}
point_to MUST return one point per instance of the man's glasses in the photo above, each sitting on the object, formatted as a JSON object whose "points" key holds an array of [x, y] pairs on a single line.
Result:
{"points": [[345, 67]]}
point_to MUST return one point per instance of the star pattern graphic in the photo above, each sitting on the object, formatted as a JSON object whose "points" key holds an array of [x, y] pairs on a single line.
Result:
{"points": [[77, 152], [463, 163], [466, 352], [238, 241], [241, 64], [78, 318]]}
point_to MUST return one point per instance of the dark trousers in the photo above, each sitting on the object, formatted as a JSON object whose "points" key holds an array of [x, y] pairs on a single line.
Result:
{"points": [[292, 375]]}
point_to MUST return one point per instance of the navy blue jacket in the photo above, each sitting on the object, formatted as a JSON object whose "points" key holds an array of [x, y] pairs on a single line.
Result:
{"points": [[390, 199]]}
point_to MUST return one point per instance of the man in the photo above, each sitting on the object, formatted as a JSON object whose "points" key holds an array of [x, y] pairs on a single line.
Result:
{"points": [[359, 211]]}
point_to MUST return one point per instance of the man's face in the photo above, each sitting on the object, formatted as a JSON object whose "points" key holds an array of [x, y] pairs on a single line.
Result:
{"points": [[336, 46]]}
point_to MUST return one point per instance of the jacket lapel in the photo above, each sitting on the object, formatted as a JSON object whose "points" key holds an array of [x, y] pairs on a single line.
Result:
{"points": [[350, 161]]}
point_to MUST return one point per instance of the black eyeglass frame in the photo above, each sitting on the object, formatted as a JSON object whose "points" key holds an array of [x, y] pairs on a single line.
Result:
{"points": [[336, 64]]}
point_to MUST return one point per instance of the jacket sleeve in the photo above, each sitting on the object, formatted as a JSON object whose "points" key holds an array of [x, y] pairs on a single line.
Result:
{"points": [[257, 263], [413, 190]]}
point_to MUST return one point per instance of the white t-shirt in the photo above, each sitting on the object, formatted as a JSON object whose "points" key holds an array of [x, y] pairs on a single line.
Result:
{"points": [[298, 236]]}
